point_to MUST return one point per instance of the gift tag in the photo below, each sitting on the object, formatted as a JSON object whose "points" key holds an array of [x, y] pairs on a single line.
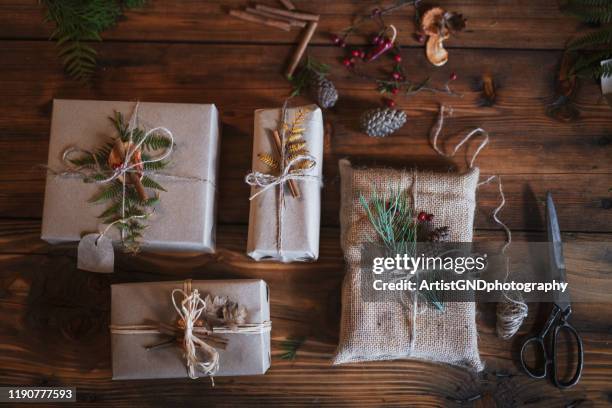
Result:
{"points": [[96, 254]]}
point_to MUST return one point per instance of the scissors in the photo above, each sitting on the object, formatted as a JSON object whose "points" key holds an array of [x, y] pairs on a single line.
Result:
{"points": [[557, 322]]}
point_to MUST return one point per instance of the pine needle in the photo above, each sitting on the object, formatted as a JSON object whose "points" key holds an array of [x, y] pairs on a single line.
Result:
{"points": [[396, 227], [291, 347]]}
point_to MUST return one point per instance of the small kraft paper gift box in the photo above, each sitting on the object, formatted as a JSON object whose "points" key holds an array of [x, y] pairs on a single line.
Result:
{"points": [[190, 329], [285, 211], [141, 174]]}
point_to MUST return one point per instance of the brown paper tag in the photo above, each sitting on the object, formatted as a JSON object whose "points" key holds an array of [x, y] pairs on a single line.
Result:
{"points": [[95, 254]]}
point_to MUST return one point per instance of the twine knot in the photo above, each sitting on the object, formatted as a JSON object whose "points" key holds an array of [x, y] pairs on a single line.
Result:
{"points": [[292, 171]]}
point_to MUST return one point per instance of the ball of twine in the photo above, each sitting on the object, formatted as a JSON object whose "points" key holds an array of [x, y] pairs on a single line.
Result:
{"points": [[510, 316]]}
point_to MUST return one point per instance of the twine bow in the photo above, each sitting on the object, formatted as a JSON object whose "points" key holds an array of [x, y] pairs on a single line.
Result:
{"points": [[289, 172], [198, 333]]}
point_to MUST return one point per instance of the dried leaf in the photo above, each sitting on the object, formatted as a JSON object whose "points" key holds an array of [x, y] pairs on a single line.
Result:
{"points": [[488, 94], [268, 160], [454, 21], [436, 54], [432, 22]]}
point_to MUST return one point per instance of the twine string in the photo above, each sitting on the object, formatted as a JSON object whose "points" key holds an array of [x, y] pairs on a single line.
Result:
{"points": [[512, 312], [437, 129]]}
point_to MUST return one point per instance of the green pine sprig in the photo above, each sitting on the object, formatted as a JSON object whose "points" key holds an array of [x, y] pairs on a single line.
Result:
{"points": [[291, 347], [397, 228], [125, 208], [301, 81], [79, 22]]}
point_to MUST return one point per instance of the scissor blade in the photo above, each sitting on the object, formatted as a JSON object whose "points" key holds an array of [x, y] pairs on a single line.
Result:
{"points": [[555, 248]]}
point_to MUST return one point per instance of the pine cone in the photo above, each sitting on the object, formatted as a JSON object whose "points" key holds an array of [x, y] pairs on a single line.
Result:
{"points": [[441, 234], [382, 122], [323, 91]]}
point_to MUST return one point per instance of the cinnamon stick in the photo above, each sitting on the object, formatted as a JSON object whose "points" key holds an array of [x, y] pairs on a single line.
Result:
{"points": [[276, 23], [299, 51], [295, 190], [291, 21], [288, 4], [298, 15]]}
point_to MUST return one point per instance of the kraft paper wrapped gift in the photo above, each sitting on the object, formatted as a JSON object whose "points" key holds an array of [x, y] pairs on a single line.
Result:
{"points": [[292, 234], [135, 304], [185, 217]]}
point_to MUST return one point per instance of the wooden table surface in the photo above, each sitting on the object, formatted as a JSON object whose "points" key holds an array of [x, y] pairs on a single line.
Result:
{"points": [[53, 318]]}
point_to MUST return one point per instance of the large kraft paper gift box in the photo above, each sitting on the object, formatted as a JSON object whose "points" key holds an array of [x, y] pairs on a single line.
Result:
{"points": [[138, 309], [287, 231], [184, 219]]}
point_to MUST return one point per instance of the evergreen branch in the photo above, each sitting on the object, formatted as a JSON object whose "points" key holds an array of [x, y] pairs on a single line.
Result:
{"points": [[79, 21], [589, 11], [310, 69], [603, 36], [291, 347]]}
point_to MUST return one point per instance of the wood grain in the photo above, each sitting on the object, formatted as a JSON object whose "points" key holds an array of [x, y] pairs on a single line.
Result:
{"points": [[65, 312], [506, 24], [53, 318], [531, 151]]}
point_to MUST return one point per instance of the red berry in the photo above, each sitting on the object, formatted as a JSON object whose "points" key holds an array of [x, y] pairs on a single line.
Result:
{"points": [[429, 217], [394, 90], [335, 39], [356, 53], [453, 77], [397, 76], [389, 102], [422, 216], [347, 62], [376, 39], [388, 42], [419, 37], [362, 54], [397, 58]]}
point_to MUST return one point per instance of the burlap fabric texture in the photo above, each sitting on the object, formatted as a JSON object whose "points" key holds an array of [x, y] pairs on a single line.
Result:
{"points": [[384, 330]]}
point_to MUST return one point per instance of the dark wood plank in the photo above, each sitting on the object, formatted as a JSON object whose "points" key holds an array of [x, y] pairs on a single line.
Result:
{"points": [[508, 24], [53, 331], [533, 152]]}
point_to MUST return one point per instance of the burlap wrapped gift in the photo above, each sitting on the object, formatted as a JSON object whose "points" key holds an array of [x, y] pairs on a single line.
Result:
{"points": [[383, 330]]}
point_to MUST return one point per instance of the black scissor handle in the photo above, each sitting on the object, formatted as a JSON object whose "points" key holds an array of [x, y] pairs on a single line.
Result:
{"points": [[558, 329], [537, 342]]}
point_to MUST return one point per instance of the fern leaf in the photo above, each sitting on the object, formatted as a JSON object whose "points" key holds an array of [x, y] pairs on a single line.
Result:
{"points": [[292, 148], [153, 166], [84, 161], [112, 191], [157, 142], [148, 182], [112, 210], [79, 21], [603, 36], [268, 160]]}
